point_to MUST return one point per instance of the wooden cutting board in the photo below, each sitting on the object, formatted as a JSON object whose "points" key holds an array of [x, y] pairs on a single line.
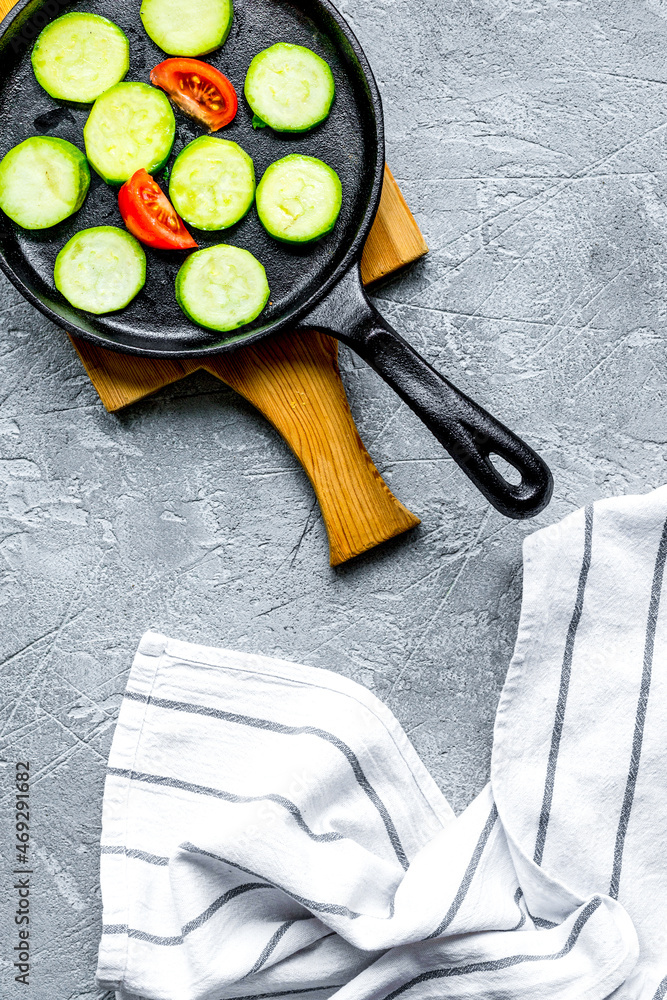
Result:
{"points": [[294, 380]]}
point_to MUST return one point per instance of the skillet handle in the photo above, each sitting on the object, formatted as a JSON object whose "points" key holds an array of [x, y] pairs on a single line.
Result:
{"points": [[468, 432]]}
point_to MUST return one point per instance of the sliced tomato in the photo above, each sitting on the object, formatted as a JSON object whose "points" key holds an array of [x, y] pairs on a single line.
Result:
{"points": [[150, 216], [200, 90]]}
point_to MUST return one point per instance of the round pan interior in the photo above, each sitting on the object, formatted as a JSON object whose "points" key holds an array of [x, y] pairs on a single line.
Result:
{"points": [[350, 140]]}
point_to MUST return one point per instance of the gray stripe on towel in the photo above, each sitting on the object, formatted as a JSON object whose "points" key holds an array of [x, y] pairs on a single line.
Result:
{"points": [[277, 727], [271, 947], [130, 852], [335, 908], [216, 793], [661, 990], [503, 963], [518, 895], [468, 874], [192, 925], [287, 993], [640, 718], [566, 672]]}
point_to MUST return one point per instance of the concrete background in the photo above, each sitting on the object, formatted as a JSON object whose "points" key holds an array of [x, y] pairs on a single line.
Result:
{"points": [[530, 139]]}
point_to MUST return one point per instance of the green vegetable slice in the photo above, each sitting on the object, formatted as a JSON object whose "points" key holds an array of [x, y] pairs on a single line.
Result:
{"points": [[79, 56], [190, 28], [299, 199], [289, 88], [101, 269], [129, 127], [222, 287], [43, 180], [212, 183]]}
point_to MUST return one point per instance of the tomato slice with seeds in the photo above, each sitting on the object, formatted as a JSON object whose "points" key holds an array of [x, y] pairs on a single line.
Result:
{"points": [[200, 90], [150, 216]]}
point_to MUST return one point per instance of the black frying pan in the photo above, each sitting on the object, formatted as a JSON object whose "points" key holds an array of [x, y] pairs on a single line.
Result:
{"points": [[316, 287]]}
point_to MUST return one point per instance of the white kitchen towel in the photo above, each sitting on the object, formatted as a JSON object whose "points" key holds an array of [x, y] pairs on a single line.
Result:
{"points": [[269, 831]]}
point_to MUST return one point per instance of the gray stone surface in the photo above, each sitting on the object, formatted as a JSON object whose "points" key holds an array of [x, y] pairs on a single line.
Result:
{"points": [[530, 139]]}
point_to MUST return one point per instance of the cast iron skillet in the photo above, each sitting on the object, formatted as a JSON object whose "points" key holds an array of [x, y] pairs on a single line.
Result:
{"points": [[316, 287]]}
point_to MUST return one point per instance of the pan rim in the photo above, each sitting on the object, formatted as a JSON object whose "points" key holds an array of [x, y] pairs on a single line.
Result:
{"points": [[292, 319]]}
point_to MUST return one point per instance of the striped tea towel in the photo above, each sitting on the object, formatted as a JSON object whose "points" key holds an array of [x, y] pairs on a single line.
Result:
{"points": [[269, 831]]}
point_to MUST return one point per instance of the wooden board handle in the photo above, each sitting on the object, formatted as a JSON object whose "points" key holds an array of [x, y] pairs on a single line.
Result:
{"points": [[295, 382]]}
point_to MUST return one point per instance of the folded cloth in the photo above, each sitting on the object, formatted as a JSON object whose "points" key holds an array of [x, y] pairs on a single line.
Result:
{"points": [[269, 831]]}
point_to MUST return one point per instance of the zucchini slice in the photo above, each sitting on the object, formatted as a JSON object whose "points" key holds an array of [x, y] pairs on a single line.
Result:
{"points": [[129, 127], [100, 269], [299, 199], [289, 88], [212, 183], [43, 180], [79, 56], [187, 27], [222, 287]]}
